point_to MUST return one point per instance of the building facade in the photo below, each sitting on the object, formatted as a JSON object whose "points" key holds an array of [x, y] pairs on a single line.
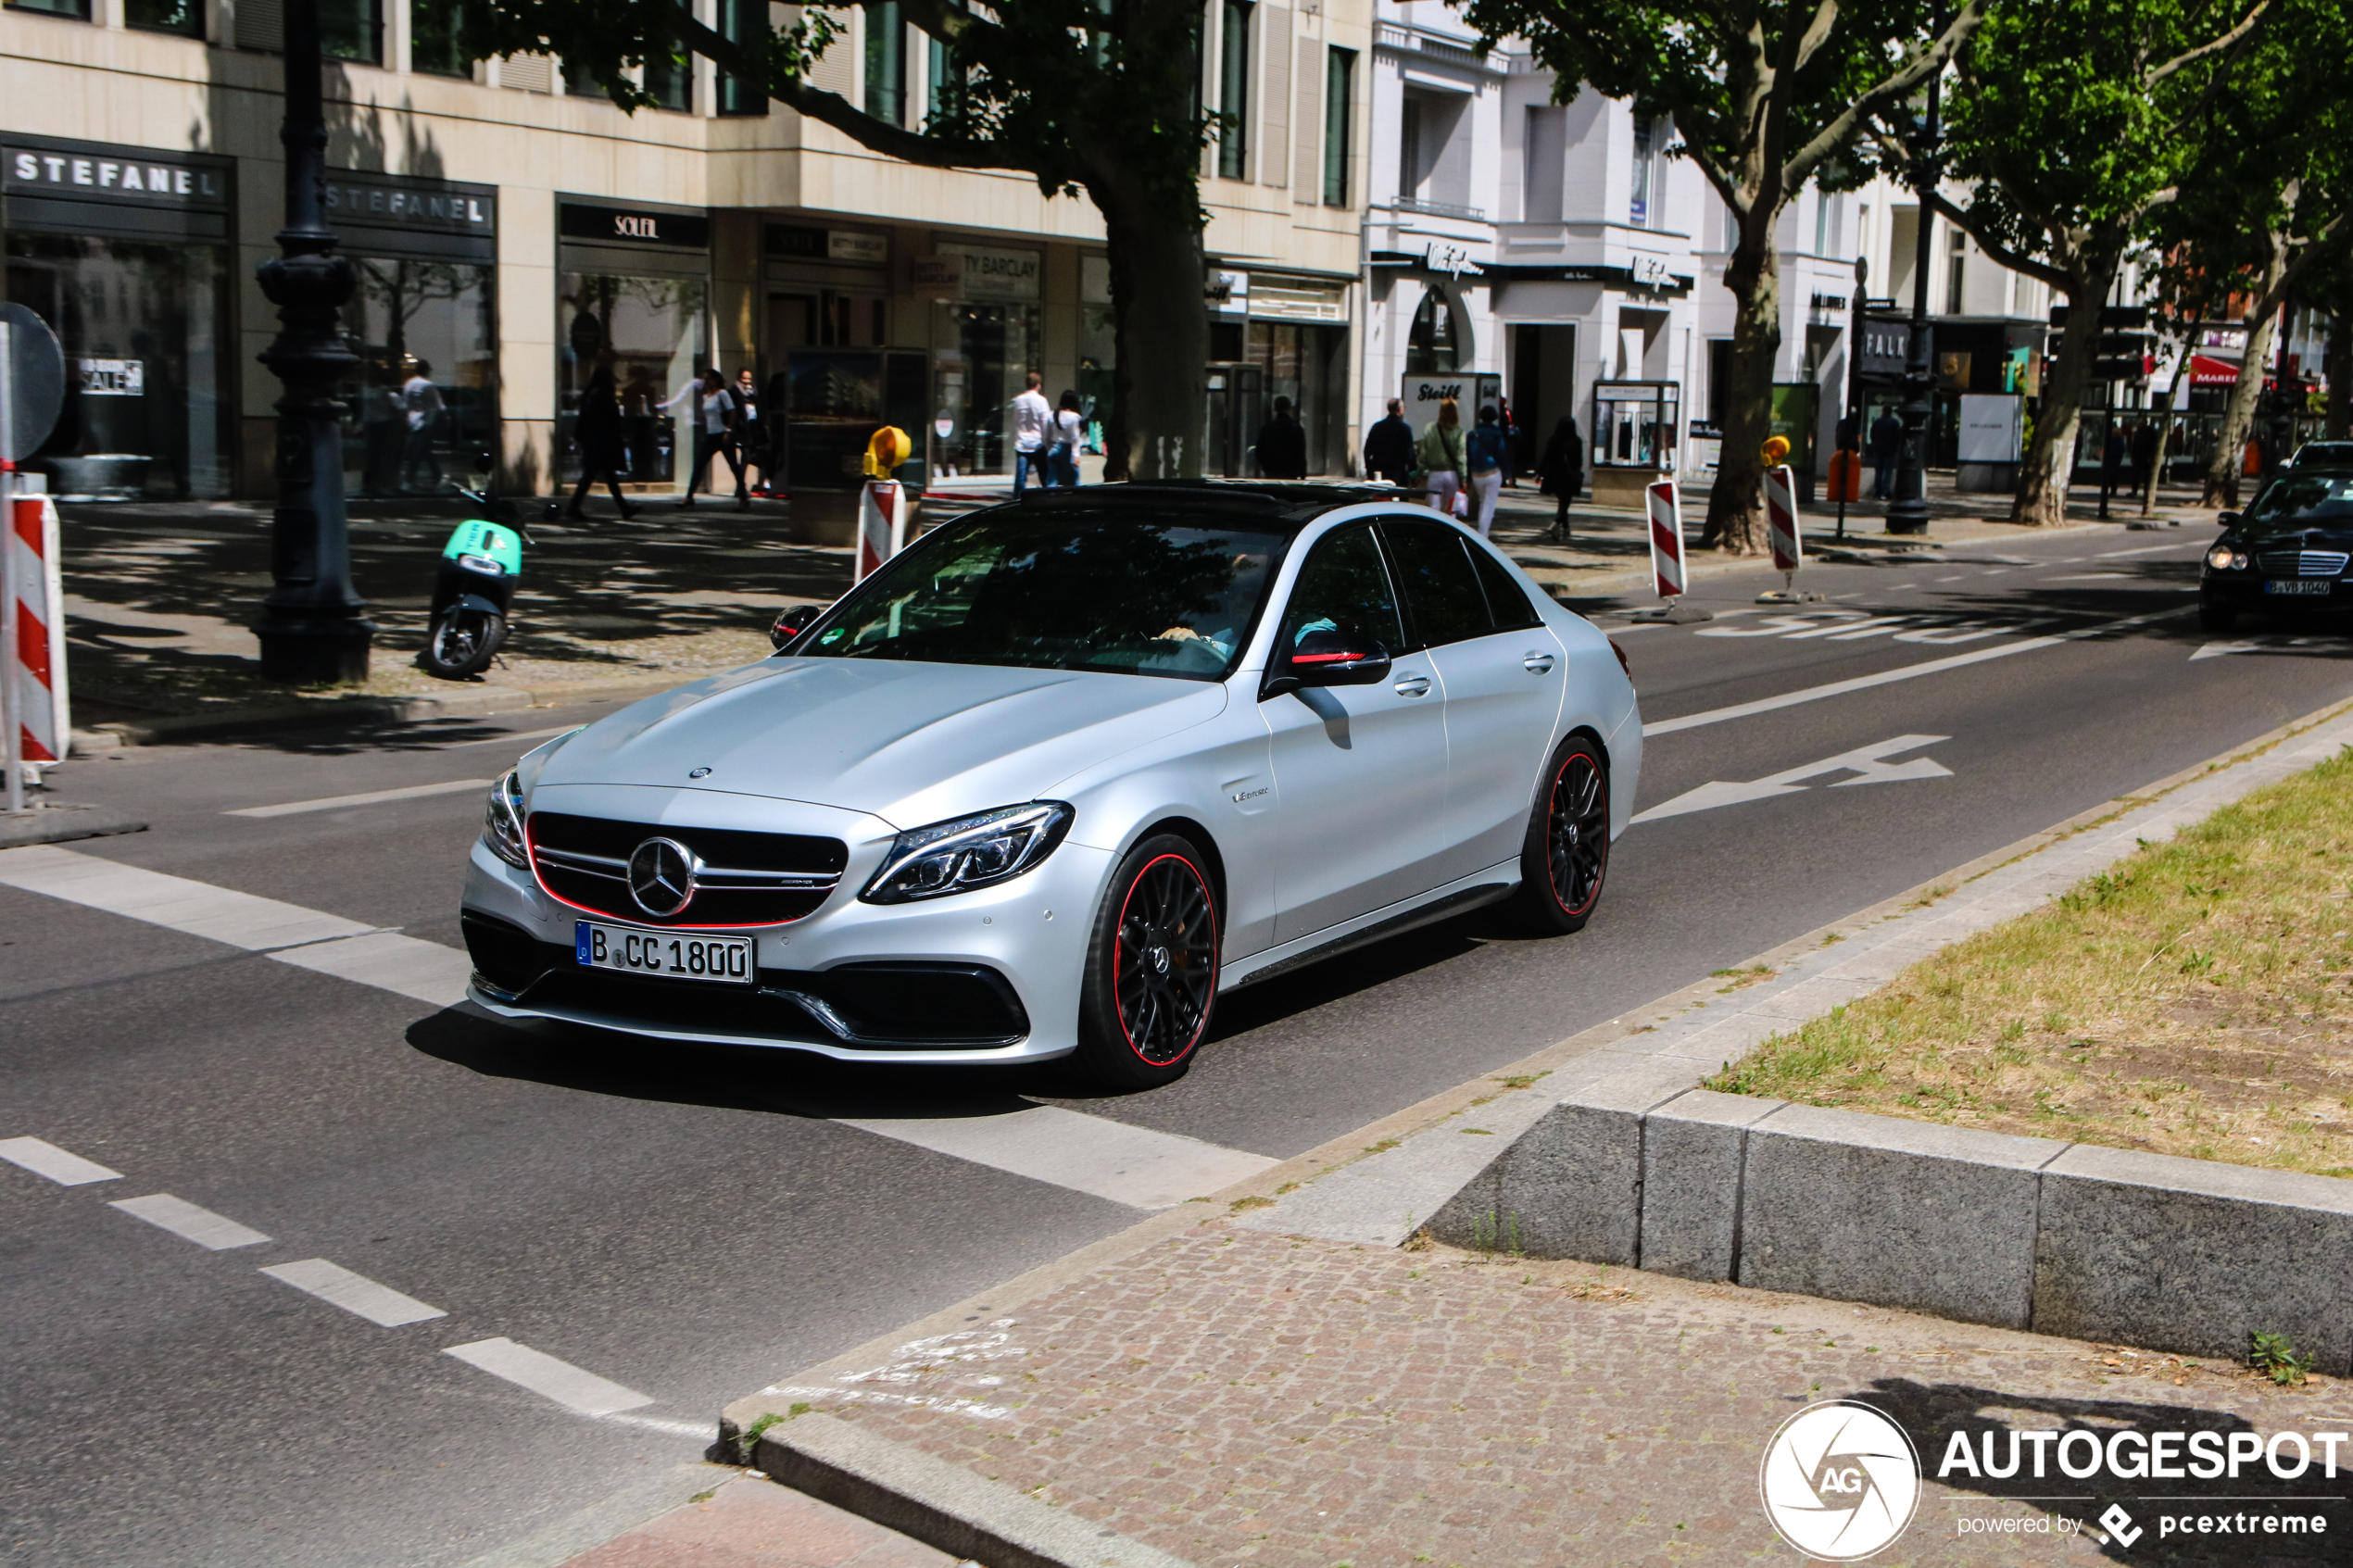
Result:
{"points": [[516, 236]]}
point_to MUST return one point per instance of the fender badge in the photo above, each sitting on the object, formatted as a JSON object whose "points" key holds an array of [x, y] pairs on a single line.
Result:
{"points": [[700, 773]]}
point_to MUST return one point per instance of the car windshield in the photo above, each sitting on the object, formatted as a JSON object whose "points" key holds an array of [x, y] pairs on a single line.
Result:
{"points": [[1123, 591], [2306, 497]]}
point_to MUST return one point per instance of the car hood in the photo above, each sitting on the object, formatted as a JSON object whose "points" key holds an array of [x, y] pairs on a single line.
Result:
{"points": [[909, 743]]}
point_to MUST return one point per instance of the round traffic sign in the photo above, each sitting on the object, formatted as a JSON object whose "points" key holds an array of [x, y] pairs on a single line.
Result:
{"points": [[36, 371]]}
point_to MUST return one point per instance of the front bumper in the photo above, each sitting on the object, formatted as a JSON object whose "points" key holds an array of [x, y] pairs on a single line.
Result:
{"points": [[991, 976]]}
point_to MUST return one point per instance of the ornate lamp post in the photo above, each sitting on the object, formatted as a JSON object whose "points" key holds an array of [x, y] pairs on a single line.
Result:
{"points": [[1907, 512], [314, 628]]}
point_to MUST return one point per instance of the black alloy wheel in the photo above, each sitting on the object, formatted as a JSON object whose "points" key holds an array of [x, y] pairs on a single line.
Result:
{"points": [[1152, 968], [1567, 852]]}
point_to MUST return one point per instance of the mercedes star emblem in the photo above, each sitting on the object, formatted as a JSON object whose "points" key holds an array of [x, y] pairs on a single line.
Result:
{"points": [[661, 876]]}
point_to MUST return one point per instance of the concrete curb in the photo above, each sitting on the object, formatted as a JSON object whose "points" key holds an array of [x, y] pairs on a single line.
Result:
{"points": [[298, 714], [53, 823], [938, 1503]]}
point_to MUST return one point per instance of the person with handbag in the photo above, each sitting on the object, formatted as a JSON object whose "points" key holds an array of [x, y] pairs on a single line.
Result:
{"points": [[1488, 449], [1562, 471], [1439, 454], [715, 431]]}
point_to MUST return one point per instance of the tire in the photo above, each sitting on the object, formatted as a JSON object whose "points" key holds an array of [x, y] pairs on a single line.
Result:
{"points": [[1565, 855], [1151, 983], [2213, 615], [462, 644]]}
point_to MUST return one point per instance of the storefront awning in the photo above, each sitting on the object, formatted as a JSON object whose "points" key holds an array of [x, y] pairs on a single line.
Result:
{"points": [[2212, 373]]}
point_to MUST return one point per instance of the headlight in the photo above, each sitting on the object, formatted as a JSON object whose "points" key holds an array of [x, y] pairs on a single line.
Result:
{"points": [[970, 852], [502, 822], [2221, 557]]}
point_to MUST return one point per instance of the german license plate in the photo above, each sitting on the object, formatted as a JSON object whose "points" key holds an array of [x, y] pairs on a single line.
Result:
{"points": [[2297, 586], [673, 955]]}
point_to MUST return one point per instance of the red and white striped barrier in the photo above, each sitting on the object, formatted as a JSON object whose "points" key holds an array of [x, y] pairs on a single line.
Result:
{"points": [[35, 666], [1666, 539], [1780, 516], [882, 525]]}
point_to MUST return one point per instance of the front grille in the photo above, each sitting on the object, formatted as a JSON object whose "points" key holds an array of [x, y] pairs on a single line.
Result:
{"points": [[2302, 563], [742, 878]]}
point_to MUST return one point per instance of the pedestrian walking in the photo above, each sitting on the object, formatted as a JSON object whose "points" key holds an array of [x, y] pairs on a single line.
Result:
{"points": [[2115, 451], [1487, 452], [751, 436], [1032, 414], [1282, 446], [1563, 472], [714, 408], [2144, 455], [596, 436], [1388, 446], [1068, 434], [1440, 457], [1887, 450], [640, 416], [1511, 441], [422, 405]]}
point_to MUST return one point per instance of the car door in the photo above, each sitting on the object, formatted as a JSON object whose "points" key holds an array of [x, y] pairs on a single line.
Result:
{"points": [[1360, 772], [1501, 670]]}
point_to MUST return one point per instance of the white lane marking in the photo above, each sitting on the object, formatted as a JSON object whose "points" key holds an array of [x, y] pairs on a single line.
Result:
{"points": [[197, 908], [2095, 577], [337, 1286], [1955, 577], [1068, 1148], [425, 971], [1909, 672], [1091, 1154], [2144, 550], [2250, 645], [517, 734], [548, 1378], [1867, 762], [701, 1431], [44, 1158], [370, 797], [188, 1222]]}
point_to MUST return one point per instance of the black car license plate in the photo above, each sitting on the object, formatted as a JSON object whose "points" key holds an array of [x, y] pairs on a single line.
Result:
{"points": [[673, 954], [2299, 586]]}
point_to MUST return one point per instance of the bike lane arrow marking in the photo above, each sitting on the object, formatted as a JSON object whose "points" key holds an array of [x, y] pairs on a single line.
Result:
{"points": [[1867, 763]]}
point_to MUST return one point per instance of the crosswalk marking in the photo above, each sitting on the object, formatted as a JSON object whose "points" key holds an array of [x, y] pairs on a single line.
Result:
{"points": [[425, 971], [44, 1158], [1128, 1164], [356, 1294], [240, 920], [185, 1220], [546, 1376], [369, 797]]}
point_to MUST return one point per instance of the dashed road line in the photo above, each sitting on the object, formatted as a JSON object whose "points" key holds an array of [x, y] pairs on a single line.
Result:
{"points": [[356, 1294], [198, 909], [190, 1223], [1069, 1149], [368, 798], [549, 1378], [44, 1158], [426, 972]]}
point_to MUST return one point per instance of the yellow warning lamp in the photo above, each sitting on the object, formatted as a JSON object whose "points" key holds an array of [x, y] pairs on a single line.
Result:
{"points": [[1776, 449], [886, 451]]}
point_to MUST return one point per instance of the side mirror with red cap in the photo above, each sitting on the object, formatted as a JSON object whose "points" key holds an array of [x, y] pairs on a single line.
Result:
{"points": [[1327, 657]]}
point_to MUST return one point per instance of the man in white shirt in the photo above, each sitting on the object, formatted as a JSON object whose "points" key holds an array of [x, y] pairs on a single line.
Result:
{"points": [[420, 400], [1032, 414]]}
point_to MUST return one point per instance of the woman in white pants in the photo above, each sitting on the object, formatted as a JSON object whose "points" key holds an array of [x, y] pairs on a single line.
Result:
{"points": [[1486, 452], [1440, 455]]}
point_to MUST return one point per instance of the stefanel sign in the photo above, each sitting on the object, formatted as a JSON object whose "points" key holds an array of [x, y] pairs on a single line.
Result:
{"points": [[86, 177]]}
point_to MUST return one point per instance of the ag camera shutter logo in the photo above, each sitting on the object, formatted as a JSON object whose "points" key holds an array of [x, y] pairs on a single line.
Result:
{"points": [[1840, 1481]]}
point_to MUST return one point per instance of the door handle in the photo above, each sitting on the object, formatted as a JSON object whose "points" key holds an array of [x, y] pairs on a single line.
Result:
{"points": [[1537, 663], [1413, 685]]}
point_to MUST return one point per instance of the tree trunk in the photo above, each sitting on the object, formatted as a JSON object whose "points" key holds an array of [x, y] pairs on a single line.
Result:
{"points": [[2238, 414], [2164, 431], [2336, 363], [1160, 332], [1736, 504], [2050, 457]]}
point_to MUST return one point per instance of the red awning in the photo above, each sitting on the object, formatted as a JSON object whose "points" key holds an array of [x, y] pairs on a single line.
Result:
{"points": [[2212, 373]]}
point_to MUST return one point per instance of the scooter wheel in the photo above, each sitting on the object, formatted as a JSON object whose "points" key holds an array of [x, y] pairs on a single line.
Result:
{"points": [[462, 644]]}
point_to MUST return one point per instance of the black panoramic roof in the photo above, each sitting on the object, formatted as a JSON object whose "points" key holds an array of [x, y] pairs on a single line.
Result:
{"points": [[1276, 500]]}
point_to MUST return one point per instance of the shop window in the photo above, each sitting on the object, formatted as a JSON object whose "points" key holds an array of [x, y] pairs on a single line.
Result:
{"points": [[1339, 111], [79, 10], [744, 22], [979, 353], [1432, 348], [144, 329], [351, 30], [648, 334], [184, 18], [670, 81], [886, 62], [1233, 89], [1644, 174], [945, 105], [1954, 276], [435, 29], [417, 325]]}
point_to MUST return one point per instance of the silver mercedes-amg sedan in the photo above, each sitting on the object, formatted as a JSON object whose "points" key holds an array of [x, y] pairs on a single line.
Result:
{"points": [[1058, 775]]}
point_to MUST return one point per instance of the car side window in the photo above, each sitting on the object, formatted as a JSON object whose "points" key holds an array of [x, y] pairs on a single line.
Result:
{"points": [[1441, 588], [1507, 604], [1343, 587]]}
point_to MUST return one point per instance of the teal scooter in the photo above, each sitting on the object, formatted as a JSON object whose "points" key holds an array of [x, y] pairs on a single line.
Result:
{"points": [[474, 585]]}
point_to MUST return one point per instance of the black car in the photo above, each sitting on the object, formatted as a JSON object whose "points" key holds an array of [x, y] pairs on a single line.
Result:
{"points": [[2286, 552]]}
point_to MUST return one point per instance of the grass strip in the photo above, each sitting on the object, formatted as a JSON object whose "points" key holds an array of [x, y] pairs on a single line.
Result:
{"points": [[2195, 998]]}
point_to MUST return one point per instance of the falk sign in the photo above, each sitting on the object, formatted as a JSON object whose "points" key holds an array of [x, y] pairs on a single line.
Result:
{"points": [[1422, 395]]}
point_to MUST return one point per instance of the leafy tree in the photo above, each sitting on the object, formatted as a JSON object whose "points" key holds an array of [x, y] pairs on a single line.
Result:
{"points": [[1764, 93], [2074, 121], [1099, 96]]}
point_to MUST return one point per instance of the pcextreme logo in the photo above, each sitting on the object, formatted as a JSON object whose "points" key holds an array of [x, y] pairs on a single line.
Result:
{"points": [[1840, 1481]]}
